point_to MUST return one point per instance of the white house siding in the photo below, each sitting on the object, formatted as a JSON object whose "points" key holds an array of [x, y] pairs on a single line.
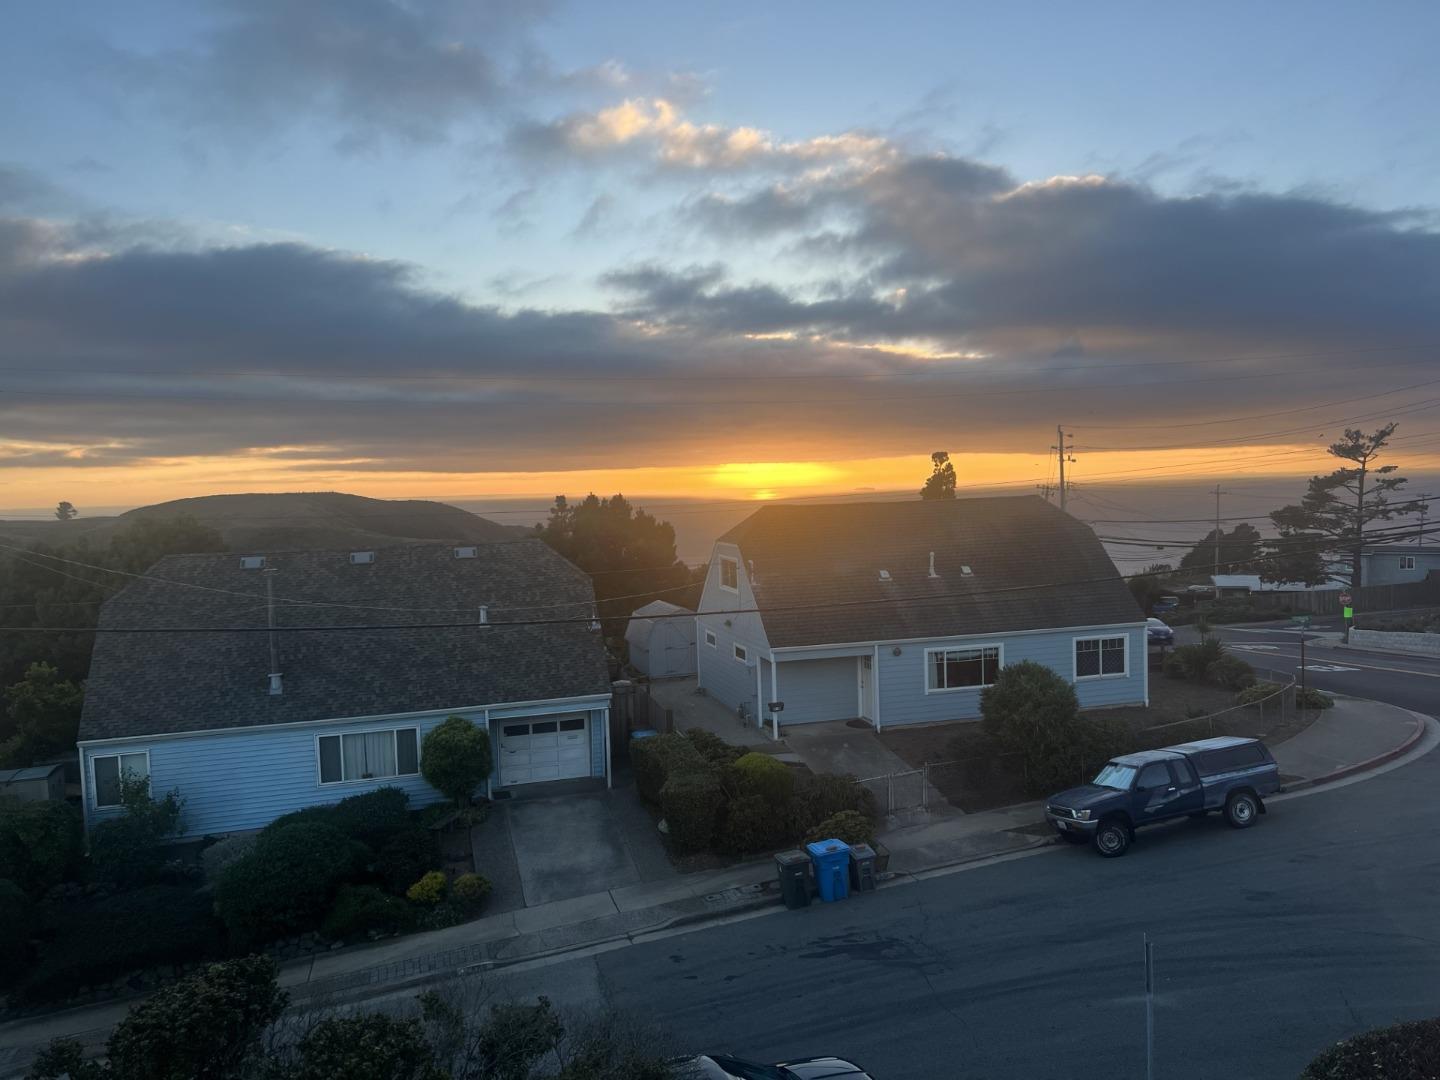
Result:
{"points": [[723, 677], [815, 690], [245, 778], [903, 697]]}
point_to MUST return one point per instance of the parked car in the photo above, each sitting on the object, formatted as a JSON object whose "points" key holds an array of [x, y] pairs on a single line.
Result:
{"points": [[1228, 775], [1158, 632], [724, 1067], [1164, 604]]}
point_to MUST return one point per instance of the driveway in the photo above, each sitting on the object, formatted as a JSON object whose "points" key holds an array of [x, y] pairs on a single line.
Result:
{"points": [[537, 850]]}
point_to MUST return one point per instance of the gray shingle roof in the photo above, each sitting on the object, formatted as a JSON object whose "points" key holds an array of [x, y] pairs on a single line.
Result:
{"points": [[154, 683], [1032, 567]]}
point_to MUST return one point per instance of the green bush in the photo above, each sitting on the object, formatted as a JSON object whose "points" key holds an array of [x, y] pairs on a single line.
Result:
{"points": [[847, 825], [714, 749], [91, 944], [1310, 698], [1194, 661], [429, 890], [285, 885], [653, 760], [372, 818], [1031, 711], [1401, 1052], [1174, 665], [751, 824], [763, 775], [1230, 672], [372, 1047], [1256, 692], [469, 893], [360, 909], [41, 843], [224, 853], [17, 921], [823, 795], [406, 858], [130, 850], [691, 802], [455, 758]]}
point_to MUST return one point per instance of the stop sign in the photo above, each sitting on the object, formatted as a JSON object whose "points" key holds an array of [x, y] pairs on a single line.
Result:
{"points": [[1345, 599]]}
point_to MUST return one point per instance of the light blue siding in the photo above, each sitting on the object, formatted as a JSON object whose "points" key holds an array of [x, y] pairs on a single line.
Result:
{"points": [[723, 677], [243, 779], [814, 690], [1383, 568]]}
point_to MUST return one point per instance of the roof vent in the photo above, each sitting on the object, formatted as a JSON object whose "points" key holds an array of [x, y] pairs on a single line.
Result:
{"points": [[884, 575], [966, 571], [252, 562], [465, 553], [932, 565], [361, 558]]}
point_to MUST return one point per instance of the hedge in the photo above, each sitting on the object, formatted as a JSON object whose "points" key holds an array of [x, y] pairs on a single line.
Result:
{"points": [[40, 843], [653, 760], [406, 859], [1392, 1053], [847, 825], [714, 749], [360, 909], [751, 824], [286, 884], [691, 802], [372, 818], [761, 774], [95, 943], [822, 795]]}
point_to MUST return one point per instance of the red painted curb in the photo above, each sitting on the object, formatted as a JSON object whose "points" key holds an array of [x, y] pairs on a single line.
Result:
{"points": [[1362, 766]]}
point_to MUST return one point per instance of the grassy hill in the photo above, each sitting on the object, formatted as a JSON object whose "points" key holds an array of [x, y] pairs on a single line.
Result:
{"points": [[294, 520]]}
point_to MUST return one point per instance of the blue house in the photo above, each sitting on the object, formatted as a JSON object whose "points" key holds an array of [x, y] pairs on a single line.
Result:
{"points": [[1398, 564], [902, 612], [369, 651]]}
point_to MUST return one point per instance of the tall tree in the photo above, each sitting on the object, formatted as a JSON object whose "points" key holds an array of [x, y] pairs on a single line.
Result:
{"points": [[65, 511], [941, 482], [1337, 512], [1239, 550], [41, 716]]}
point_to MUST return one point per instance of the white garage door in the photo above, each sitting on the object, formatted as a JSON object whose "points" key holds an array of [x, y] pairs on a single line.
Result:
{"points": [[535, 750]]}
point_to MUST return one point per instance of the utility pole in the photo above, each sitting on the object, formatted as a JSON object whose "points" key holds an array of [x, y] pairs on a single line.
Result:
{"points": [[1218, 534], [1063, 449], [1424, 513]]}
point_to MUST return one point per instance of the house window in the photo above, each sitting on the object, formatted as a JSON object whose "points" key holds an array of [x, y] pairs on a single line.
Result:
{"points": [[110, 768], [741, 654], [1407, 562], [1095, 657], [710, 639], [730, 574], [960, 669], [369, 755]]}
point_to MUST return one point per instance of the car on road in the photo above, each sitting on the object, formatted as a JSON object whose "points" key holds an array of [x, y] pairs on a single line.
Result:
{"points": [[1228, 775], [1157, 632], [1165, 604], [724, 1067]]}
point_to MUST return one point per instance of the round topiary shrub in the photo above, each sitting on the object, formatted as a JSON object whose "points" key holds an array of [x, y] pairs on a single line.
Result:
{"points": [[455, 758], [429, 890], [763, 775], [469, 893], [285, 885], [360, 909], [691, 802], [847, 825]]}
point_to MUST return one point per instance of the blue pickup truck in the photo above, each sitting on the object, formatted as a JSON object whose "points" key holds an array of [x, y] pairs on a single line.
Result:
{"points": [[1228, 775]]}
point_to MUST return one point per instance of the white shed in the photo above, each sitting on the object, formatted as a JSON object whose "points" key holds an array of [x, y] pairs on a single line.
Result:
{"points": [[662, 648]]}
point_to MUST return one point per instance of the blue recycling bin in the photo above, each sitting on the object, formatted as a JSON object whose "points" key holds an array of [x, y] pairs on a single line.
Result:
{"points": [[643, 733], [832, 868]]}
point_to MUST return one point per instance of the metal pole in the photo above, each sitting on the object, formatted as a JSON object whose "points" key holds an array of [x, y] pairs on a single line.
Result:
{"points": [[925, 786], [1149, 1009], [1060, 446], [890, 793]]}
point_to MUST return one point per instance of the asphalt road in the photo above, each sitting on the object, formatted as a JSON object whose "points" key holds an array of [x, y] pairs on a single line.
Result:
{"points": [[1411, 682]]}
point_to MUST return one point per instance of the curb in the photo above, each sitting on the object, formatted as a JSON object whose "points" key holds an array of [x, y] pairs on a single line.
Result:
{"points": [[1363, 766]]}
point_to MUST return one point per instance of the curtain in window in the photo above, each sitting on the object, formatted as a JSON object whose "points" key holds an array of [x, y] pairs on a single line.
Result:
{"points": [[369, 754]]}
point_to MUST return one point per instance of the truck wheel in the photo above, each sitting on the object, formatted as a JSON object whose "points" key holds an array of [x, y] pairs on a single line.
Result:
{"points": [[1240, 809], [1112, 839]]}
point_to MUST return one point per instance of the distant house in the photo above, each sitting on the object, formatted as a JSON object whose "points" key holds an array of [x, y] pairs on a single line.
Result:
{"points": [[1398, 564], [1242, 586], [902, 612], [38, 783], [661, 637], [249, 725]]}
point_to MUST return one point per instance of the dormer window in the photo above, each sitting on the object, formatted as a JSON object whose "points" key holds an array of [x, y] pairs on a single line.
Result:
{"points": [[730, 574]]}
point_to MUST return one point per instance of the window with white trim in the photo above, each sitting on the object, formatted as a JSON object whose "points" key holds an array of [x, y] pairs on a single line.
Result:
{"points": [[742, 654], [1407, 562], [730, 574], [961, 669], [368, 755], [110, 768], [711, 639], [1095, 657]]}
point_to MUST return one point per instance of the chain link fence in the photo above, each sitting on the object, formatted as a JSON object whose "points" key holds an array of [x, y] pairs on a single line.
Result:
{"points": [[993, 780]]}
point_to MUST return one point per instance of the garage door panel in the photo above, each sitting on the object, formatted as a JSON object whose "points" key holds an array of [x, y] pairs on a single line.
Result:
{"points": [[539, 750]]}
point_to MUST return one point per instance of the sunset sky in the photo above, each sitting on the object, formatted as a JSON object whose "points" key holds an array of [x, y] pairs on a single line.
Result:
{"points": [[463, 250]]}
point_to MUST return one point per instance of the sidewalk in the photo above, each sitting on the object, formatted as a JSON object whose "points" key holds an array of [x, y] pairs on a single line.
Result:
{"points": [[1353, 736]]}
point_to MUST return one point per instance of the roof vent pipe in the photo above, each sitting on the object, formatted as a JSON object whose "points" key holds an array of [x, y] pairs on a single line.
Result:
{"points": [[932, 565], [276, 687]]}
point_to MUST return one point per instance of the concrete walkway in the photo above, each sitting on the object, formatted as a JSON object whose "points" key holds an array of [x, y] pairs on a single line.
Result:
{"points": [[693, 709], [1352, 733]]}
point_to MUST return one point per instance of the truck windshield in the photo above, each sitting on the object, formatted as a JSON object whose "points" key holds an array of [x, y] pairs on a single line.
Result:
{"points": [[1115, 776]]}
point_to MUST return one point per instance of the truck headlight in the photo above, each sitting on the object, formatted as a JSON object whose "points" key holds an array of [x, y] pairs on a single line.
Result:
{"points": [[1082, 815]]}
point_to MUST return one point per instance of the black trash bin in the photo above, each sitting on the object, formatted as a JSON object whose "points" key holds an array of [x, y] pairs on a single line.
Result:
{"points": [[793, 868], [862, 868]]}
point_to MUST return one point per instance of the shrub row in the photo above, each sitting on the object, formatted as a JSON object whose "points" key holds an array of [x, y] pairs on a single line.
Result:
{"points": [[372, 818], [41, 843]]}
